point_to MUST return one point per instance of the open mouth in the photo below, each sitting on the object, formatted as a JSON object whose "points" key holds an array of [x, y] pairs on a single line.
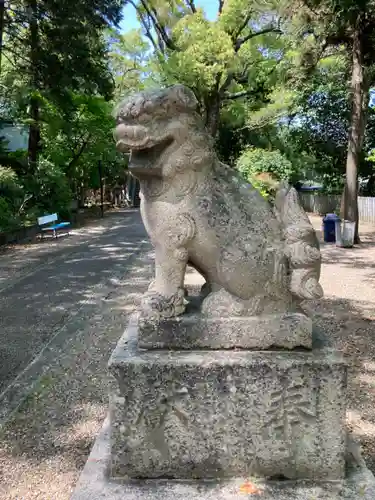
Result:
{"points": [[146, 158]]}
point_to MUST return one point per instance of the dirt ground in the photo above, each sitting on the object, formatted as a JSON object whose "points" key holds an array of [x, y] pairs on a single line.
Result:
{"points": [[44, 446], [347, 314]]}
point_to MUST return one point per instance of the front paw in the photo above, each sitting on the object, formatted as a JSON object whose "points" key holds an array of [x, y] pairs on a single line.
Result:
{"points": [[155, 306]]}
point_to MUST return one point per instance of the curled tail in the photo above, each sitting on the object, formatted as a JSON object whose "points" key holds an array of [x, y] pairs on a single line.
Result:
{"points": [[302, 245]]}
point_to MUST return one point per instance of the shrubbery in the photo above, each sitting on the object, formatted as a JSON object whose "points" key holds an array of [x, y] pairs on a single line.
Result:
{"points": [[22, 201], [265, 169]]}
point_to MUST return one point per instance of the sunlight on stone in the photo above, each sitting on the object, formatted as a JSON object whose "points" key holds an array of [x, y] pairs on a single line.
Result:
{"points": [[369, 366], [367, 379]]}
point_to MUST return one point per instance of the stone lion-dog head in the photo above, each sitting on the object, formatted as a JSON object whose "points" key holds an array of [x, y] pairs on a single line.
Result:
{"points": [[163, 133]]}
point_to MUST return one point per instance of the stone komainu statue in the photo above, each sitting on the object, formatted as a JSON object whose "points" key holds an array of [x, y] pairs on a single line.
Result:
{"points": [[256, 260]]}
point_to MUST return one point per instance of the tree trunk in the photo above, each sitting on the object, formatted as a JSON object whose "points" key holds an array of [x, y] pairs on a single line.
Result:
{"points": [[81, 195], [76, 157], [34, 132], [349, 203], [34, 135], [2, 17], [213, 114]]}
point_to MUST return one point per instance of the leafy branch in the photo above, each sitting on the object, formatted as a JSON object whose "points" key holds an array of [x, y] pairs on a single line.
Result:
{"points": [[191, 4], [240, 41]]}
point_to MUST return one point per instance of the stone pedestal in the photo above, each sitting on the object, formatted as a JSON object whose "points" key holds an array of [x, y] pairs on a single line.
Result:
{"points": [[200, 425], [222, 414], [194, 330], [95, 484]]}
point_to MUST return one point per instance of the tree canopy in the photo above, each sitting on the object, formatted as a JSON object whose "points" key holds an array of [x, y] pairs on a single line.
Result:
{"points": [[284, 87]]}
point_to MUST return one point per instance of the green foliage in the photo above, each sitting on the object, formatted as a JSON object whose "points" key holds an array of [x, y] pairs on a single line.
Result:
{"points": [[7, 220], [57, 80], [219, 60], [22, 202], [66, 39], [130, 62], [8, 180], [82, 136], [264, 169], [271, 78], [308, 124], [11, 198], [52, 192], [256, 160], [205, 53], [75, 143]]}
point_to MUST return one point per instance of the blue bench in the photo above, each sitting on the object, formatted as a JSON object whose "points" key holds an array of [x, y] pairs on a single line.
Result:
{"points": [[52, 229]]}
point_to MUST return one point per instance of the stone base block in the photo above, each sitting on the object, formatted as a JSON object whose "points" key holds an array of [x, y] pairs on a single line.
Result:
{"points": [[95, 484], [193, 330], [220, 414]]}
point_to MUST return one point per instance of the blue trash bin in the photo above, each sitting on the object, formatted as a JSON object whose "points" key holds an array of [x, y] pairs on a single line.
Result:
{"points": [[329, 227]]}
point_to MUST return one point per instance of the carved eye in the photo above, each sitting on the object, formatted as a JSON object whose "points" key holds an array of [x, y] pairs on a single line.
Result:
{"points": [[174, 103]]}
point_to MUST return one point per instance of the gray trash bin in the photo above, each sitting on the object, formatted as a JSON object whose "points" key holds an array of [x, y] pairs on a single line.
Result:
{"points": [[345, 231]]}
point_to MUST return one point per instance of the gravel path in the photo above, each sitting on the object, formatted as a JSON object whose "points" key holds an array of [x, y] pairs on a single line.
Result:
{"points": [[59, 324], [56, 294], [16, 261], [347, 314], [44, 446]]}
